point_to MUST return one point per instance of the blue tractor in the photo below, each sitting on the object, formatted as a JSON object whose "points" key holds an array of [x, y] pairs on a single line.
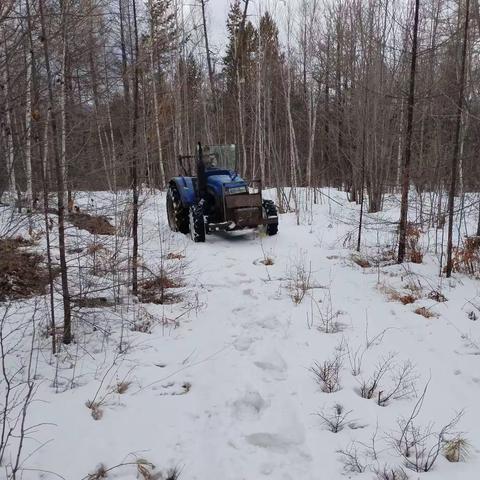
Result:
{"points": [[217, 198]]}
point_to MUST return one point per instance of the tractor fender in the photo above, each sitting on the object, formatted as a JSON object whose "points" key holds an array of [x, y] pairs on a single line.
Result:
{"points": [[186, 189]]}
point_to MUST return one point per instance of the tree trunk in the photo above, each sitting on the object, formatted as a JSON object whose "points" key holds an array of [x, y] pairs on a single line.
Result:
{"points": [[7, 129], [67, 327], [240, 89], [28, 134], [207, 51], [156, 111], [63, 106], [134, 168], [408, 143], [456, 145]]}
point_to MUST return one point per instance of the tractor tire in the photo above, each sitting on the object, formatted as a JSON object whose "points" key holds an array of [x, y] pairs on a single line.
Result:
{"points": [[177, 214], [197, 224], [270, 210]]}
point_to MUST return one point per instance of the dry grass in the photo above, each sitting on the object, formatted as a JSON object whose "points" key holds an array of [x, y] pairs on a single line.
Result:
{"points": [[361, 261], [396, 296], [268, 261], [92, 302], [407, 299], [456, 450], [413, 234], [158, 289], [414, 286], [95, 409], [144, 321], [425, 312], [145, 469], [416, 256], [22, 274], [99, 473], [122, 387], [437, 296], [94, 224], [175, 256], [94, 248]]}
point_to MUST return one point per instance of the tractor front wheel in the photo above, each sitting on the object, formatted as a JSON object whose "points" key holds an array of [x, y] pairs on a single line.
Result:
{"points": [[270, 210], [197, 224], [177, 214]]}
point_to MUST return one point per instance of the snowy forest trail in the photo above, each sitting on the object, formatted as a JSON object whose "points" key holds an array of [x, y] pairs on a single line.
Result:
{"points": [[253, 403], [227, 390]]}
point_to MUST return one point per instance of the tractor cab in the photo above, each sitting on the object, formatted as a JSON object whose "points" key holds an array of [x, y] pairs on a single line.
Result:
{"points": [[217, 198]]}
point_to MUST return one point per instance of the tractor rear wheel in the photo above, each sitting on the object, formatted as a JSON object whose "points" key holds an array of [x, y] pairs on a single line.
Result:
{"points": [[197, 224], [270, 210], [177, 214]]}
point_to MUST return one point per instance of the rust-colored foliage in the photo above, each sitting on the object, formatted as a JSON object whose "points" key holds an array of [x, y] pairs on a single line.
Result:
{"points": [[467, 259], [96, 225], [413, 236], [22, 274]]}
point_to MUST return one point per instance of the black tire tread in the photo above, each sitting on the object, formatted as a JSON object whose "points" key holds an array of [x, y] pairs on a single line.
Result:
{"points": [[197, 224], [270, 210], [180, 212]]}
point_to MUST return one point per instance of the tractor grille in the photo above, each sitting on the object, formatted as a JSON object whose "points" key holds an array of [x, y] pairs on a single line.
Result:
{"points": [[247, 217]]}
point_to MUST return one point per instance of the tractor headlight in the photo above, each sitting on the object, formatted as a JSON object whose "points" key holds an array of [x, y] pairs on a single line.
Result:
{"points": [[236, 190]]}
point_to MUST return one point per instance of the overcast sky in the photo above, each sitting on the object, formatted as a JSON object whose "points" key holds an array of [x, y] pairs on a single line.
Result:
{"points": [[217, 11], [217, 14]]}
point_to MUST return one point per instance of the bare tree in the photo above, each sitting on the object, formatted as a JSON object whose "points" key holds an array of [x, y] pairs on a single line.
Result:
{"points": [[456, 141], [408, 141], [67, 315]]}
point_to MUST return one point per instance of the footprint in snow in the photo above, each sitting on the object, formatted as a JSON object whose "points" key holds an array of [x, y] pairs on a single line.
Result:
{"points": [[273, 364], [249, 407], [238, 309], [269, 323], [174, 388], [241, 344], [249, 292], [279, 442]]}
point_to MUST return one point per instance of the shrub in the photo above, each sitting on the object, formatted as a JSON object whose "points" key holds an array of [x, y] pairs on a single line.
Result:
{"points": [[420, 446], [350, 458], [472, 316], [390, 473], [355, 359], [335, 421], [369, 387], [327, 374], [467, 259], [402, 384], [299, 280], [324, 315]]}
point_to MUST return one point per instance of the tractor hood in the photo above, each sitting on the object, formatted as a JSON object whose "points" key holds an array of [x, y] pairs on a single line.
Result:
{"points": [[219, 179]]}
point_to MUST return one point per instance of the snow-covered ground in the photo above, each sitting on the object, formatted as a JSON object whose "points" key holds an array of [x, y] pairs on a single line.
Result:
{"points": [[223, 387]]}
